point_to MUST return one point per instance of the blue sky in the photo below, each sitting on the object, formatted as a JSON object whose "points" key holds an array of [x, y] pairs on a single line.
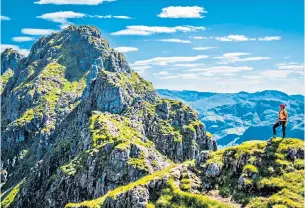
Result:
{"points": [[210, 45]]}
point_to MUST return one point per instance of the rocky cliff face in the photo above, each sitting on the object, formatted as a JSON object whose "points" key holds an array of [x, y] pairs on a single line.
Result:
{"points": [[78, 123], [10, 60], [255, 174], [81, 129]]}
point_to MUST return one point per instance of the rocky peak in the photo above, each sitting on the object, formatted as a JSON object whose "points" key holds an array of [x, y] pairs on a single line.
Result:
{"points": [[10, 59], [79, 47], [76, 112]]}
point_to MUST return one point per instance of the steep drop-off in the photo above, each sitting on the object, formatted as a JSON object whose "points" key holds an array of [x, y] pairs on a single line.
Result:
{"points": [[81, 129]]}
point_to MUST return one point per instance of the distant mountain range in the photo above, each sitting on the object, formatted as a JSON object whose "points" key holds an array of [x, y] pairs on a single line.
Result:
{"points": [[237, 117], [80, 128]]}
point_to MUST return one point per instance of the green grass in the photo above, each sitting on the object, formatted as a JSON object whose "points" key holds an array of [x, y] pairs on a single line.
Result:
{"points": [[23, 153], [278, 180], [96, 203], [139, 163], [11, 196], [250, 169], [5, 78], [173, 196], [215, 157], [167, 129], [26, 117], [52, 85], [150, 205], [106, 127], [140, 85], [186, 184], [209, 134]]}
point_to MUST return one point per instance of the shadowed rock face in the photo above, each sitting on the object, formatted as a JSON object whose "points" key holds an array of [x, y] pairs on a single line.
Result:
{"points": [[77, 122], [81, 129], [10, 60]]}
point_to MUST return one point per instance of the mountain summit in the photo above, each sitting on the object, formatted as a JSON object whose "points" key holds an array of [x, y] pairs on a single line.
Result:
{"points": [[81, 129], [73, 110]]}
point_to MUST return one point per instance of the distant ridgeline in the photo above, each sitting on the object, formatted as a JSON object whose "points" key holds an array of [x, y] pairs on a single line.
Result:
{"points": [[233, 118], [81, 129]]}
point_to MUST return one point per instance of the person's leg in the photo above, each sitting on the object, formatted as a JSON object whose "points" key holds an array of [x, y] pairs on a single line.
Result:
{"points": [[277, 124], [284, 129]]}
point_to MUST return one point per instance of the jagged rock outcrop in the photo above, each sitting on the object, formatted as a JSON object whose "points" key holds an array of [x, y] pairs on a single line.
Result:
{"points": [[78, 123], [10, 59], [267, 171], [254, 174], [81, 129]]}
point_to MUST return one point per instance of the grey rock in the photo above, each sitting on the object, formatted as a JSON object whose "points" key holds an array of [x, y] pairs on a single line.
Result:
{"points": [[47, 114], [10, 59], [213, 170]]}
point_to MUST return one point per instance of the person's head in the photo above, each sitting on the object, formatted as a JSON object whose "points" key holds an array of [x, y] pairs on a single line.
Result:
{"points": [[282, 106]]}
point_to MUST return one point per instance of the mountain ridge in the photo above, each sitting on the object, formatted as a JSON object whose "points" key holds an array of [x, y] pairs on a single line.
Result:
{"points": [[240, 92], [229, 116], [82, 129], [66, 104]]}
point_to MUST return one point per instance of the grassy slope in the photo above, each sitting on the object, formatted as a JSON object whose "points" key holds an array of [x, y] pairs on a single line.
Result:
{"points": [[278, 180], [271, 177]]}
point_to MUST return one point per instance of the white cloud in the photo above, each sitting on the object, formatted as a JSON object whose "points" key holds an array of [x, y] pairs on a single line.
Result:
{"points": [[35, 31], [297, 67], [23, 39], [182, 12], [228, 84], [124, 49], [5, 18], [169, 77], [257, 58], [161, 73], [293, 67], [122, 17], [275, 74], [202, 38], [220, 69], [61, 17], [174, 40], [189, 76], [110, 17], [189, 65], [203, 48], [234, 38], [270, 38], [241, 38], [166, 76], [139, 69], [162, 61], [236, 57], [149, 30], [79, 2], [283, 71], [22, 51], [252, 77]]}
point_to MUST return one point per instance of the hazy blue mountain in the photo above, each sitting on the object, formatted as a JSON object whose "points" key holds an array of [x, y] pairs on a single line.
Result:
{"points": [[80, 128], [237, 117]]}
